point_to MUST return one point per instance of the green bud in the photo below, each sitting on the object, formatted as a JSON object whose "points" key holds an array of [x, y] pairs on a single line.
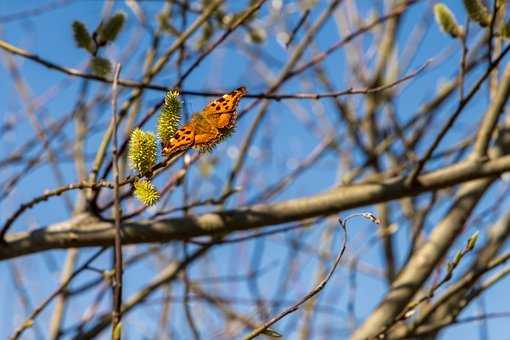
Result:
{"points": [[472, 241], [504, 30], [108, 275], [257, 35], [108, 31], [409, 313], [457, 258], [100, 66], [450, 266], [478, 12], [117, 332], [28, 324], [272, 333], [82, 36], [168, 121], [446, 21], [142, 151], [145, 192]]}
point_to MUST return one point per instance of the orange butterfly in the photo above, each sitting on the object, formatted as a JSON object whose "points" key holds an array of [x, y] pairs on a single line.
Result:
{"points": [[208, 127]]}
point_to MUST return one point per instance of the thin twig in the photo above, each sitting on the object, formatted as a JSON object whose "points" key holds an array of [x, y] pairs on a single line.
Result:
{"points": [[187, 308], [117, 286], [463, 60], [449, 123], [60, 305], [145, 85], [245, 16], [411, 308], [297, 27], [321, 56], [319, 287], [44, 197], [166, 275], [27, 14], [29, 321], [347, 92]]}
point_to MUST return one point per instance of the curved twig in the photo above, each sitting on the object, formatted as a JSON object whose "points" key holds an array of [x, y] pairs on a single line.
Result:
{"points": [[320, 286]]}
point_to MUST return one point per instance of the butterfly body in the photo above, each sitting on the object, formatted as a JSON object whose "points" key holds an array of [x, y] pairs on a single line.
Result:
{"points": [[207, 127]]}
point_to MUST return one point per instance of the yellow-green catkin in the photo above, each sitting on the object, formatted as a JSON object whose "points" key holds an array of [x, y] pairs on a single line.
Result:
{"points": [[142, 151], [145, 192], [170, 117], [478, 12], [446, 21]]}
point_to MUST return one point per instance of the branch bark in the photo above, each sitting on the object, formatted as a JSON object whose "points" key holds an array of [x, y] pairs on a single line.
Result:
{"points": [[84, 230], [424, 260]]}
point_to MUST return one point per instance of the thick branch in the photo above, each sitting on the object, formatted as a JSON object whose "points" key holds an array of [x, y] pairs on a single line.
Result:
{"points": [[425, 259], [83, 231], [493, 113]]}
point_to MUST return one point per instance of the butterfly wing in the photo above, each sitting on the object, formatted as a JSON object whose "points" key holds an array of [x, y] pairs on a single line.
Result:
{"points": [[226, 104], [208, 127], [183, 139]]}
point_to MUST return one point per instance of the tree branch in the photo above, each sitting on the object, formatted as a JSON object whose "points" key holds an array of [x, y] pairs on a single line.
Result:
{"points": [[84, 230]]}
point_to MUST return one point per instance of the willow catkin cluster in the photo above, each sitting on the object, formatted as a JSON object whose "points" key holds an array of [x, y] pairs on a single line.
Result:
{"points": [[478, 12], [105, 33], [446, 21], [170, 117], [142, 151], [146, 192]]}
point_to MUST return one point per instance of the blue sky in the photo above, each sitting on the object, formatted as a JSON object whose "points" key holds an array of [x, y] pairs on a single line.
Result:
{"points": [[49, 35]]}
